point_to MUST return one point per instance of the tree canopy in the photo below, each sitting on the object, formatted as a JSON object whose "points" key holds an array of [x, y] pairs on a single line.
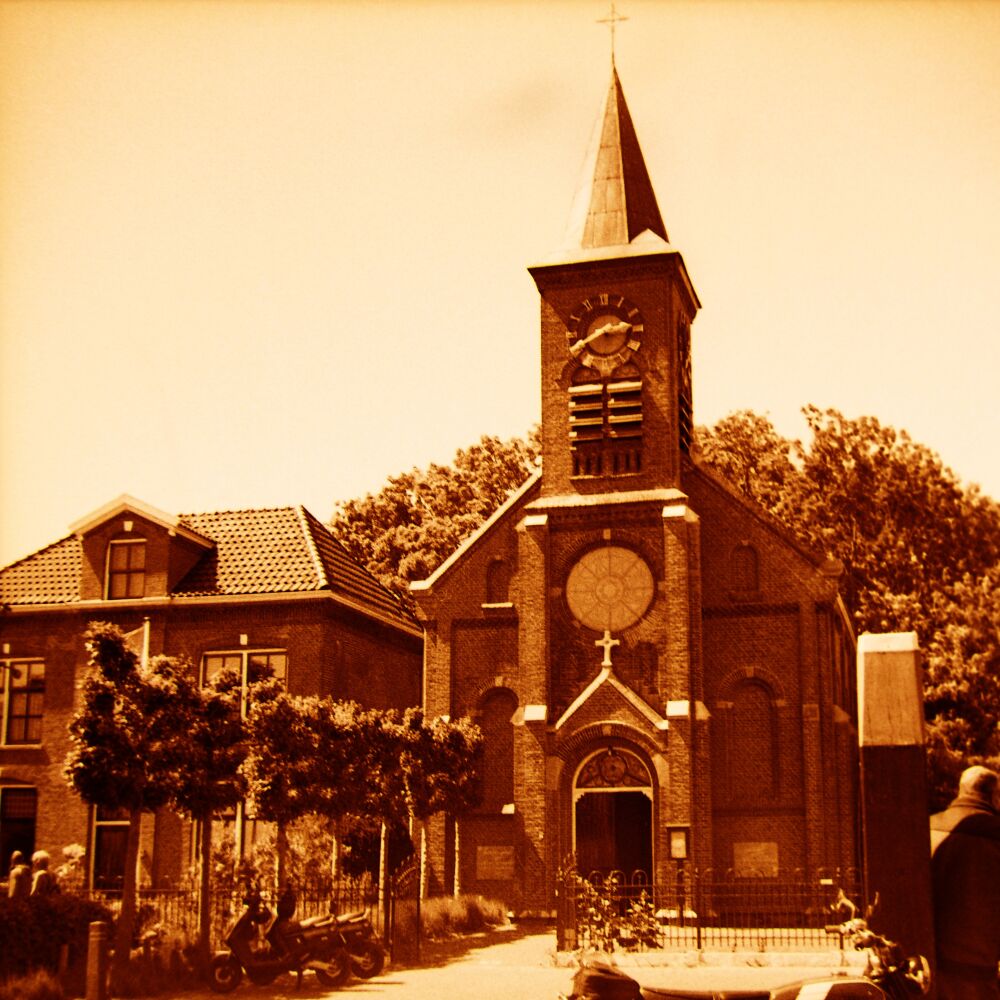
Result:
{"points": [[407, 529], [921, 552]]}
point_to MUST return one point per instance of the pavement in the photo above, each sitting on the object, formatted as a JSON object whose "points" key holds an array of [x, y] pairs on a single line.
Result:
{"points": [[521, 963]]}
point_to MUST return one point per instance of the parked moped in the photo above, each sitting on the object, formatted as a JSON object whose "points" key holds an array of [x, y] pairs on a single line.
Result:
{"points": [[365, 949], [287, 945]]}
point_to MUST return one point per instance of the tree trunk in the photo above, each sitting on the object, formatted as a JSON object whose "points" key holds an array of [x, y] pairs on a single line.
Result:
{"points": [[126, 917], [282, 865], [205, 892]]}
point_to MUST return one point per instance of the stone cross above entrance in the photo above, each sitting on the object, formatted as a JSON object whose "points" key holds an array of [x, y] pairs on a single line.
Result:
{"points": [[607, 642]]}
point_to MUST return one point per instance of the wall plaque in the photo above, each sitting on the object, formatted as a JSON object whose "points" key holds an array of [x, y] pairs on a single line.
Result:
{"points": [[494, 863], [755, 859]]}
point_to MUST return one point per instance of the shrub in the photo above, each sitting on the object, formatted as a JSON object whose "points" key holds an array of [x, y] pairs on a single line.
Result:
{"points": [[37, 985], [442, 916], [34, 930]]}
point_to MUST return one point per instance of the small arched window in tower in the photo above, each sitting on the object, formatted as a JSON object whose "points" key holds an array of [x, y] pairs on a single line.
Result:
{"points": [[605, 423], [498, 748], [744, 571], [497, 582]]}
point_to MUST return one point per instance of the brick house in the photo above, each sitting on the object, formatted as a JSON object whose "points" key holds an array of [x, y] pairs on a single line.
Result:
{"points": [[220, 589], [662, 674]]}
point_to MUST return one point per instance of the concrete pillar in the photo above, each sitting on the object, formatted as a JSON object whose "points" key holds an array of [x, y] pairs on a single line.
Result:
{"points": [[97, 961], [895, 835]]}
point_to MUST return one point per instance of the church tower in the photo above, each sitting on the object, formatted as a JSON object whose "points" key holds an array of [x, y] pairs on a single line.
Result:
{"points": [[660, 673], [617, 308]]}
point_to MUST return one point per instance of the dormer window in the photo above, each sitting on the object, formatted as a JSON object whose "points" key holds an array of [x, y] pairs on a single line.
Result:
{"points": [[126, 569]]}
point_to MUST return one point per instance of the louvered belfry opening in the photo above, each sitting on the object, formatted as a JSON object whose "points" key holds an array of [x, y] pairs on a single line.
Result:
{"points": [[605, 426]]}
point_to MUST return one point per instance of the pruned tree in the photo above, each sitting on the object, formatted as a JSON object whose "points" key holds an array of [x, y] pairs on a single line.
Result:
{"points": [[210, 780], [130, 747]]}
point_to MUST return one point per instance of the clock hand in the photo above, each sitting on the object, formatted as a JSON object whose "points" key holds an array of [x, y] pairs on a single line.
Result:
{"points": [[609, 329]]}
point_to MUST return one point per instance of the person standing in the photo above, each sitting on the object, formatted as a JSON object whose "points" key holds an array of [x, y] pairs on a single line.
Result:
{"points": [[19, 877], [965, 874], [43, 882]]}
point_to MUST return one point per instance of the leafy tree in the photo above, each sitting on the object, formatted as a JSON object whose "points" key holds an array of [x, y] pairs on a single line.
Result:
{"points": [[920, 551], [407, 529], [210, 781], [357, 767], [129, 746]]}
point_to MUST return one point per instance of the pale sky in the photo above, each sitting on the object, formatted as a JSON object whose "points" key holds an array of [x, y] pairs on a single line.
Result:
{"points": [[258, 254]]}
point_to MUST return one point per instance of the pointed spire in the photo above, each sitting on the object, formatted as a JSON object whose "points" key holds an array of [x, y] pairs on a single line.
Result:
{"points": [[615, 202]]}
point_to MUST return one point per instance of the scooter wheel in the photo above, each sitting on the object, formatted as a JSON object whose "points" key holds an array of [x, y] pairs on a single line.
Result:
{"points": [[338, 968], [368, 960], [224, 974]]}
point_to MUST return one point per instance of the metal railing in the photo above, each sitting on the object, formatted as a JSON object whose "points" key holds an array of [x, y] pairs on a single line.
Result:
{"points": [[176, 910], [704, 908]]}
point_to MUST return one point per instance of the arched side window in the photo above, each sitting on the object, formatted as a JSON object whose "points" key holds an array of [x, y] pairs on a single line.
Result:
{"points": [[744, 570], [497, 582], [752, 738], [498, 748]]}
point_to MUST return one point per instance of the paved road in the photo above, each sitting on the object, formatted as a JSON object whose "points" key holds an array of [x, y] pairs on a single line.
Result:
{"points": [[521, 964]]}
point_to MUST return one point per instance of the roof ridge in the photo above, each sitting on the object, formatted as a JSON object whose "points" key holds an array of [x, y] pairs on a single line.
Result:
{"points": [[240, 510], [305, 517]]}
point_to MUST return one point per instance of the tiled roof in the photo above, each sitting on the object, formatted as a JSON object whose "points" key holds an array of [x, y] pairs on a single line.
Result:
{"points": [[50, 576], [278, 551]]}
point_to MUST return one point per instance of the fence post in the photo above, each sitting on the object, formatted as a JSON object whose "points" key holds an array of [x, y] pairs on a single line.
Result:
{"points": [[896, 836], [97, 961]]}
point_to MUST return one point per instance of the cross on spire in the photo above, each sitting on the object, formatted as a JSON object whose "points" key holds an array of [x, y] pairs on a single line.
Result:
{"points": [[612, 19], [607, 642]]}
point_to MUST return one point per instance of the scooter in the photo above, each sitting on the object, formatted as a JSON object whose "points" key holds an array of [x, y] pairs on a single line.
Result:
{"points": [[888, 975], [287, 946], [365, 949]]}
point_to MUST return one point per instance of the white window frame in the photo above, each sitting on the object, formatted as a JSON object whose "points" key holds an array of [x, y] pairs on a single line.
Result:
{"points": [[7, 667], [241, 820]]}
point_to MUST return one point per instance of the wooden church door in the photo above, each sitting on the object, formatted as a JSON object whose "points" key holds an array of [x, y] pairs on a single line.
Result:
{"points": [[613, 815]]}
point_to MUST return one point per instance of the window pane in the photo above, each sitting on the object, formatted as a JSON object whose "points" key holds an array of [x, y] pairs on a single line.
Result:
{"points": [[136, 555], [119, 556], [136, 584], [215, 663]]}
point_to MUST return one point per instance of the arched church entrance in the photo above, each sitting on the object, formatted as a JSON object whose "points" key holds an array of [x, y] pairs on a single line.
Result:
{"points": [[613, 814]]}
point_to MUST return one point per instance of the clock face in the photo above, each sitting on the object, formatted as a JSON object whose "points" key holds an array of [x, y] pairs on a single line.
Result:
{"points": [[609, 589], [604, 332]]}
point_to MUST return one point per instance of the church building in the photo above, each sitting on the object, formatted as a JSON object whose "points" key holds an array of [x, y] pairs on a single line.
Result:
{"points": [[662, 674]]}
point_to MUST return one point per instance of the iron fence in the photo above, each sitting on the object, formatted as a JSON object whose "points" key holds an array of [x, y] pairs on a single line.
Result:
{"points": [[704, 908], [176, 911]]}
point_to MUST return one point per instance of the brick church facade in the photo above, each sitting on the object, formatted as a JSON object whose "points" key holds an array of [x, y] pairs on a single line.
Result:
{"points": [[661, 673], [220, 589]]}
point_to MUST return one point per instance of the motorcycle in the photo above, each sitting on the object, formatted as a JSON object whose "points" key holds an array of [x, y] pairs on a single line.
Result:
{"points": [[888, 975], [895, 974], [365, 949], [287, 946]]}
